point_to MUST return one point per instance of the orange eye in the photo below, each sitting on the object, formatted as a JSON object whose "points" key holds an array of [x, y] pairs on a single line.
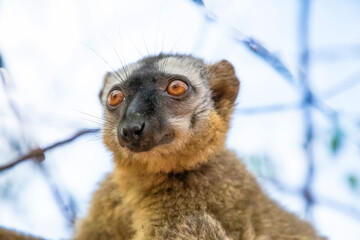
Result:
{"points": [[177, 88], [115, 97]]}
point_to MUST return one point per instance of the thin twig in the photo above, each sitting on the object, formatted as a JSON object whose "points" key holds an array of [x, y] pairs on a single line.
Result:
{"points": [[7, 85], [199, 2], [269, 108], [308, 101], [259, 49], [281, 186], [2, 65], [342, 86], [66, 208], [274, 61], [254, 45], [336, 52], [320, 200], [39, 152], [341, 207]]}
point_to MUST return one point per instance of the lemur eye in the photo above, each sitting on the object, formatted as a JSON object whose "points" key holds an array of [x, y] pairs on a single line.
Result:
{"points": [[177, 87], [115, 97]]}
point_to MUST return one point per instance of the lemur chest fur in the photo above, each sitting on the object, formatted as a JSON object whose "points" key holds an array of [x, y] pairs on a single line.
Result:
{"points": [[169, 197]]}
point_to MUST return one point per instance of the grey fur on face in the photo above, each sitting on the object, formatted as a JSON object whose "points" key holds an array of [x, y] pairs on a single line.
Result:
{"points": [[156, 114]]}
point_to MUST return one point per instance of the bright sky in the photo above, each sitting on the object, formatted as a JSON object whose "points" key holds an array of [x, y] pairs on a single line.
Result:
{"points": [[58, 51]]}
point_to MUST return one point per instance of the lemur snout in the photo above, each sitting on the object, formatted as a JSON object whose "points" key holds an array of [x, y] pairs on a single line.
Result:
{"points": [[138, 135], [132, 132]]}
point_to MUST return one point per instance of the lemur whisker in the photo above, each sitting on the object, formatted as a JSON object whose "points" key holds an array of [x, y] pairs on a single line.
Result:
{"points": [[158, 25], [117, 76], [122, 46], [146, 47], [122, 64], [99, 120]]}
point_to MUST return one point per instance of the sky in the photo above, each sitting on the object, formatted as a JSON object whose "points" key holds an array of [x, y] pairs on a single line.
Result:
{"points": [[57, 52]]}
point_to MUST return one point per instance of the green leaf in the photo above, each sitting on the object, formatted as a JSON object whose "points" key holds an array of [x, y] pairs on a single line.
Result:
{"points": [[353, 181], [255, 163], [336, 141], [268, 167]]}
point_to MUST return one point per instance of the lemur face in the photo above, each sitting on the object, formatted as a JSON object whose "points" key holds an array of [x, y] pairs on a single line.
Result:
{"points": [[152, 101], [167, 108]]}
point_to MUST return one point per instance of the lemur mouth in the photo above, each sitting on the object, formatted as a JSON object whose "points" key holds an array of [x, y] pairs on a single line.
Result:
{"points": [[146, 145]]}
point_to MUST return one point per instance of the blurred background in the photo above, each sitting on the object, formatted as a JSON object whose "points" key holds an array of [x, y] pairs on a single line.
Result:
{"points": [[296, 123]]}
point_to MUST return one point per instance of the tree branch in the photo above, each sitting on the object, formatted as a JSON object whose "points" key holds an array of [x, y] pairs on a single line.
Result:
{"points": [[269, 108], [343, 85], [257, 48], [308, 101], [2, 65], [66, 206], [341, 207], [320, 200], [38, 153]]}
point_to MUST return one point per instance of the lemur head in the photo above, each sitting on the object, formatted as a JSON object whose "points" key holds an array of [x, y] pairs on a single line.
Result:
{"points": [[167, 113]]}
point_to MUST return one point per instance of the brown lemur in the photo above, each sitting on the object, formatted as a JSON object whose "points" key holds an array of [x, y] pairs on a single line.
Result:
{"points": [[166, 120]]}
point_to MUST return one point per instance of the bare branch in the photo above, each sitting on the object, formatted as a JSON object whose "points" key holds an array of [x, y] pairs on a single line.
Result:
{"points": [[1, 62], [254, 45], [320, 200], [7, 84], [336, 52], [257, 48], [274, 61], [269, 108], [39, 153], [308, 101], [66, 205], [282, 187], [343, 85], [341, 207], [199, 2]]}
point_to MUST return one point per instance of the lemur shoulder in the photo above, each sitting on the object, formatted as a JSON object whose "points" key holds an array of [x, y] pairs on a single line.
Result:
{"points": [[166, 120]]}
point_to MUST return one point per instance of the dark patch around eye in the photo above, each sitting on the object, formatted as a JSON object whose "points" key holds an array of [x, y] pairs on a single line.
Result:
{"points": [[193, 120]]}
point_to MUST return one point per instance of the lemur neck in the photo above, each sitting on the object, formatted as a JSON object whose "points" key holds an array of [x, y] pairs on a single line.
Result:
{"points": [[133, 177], [155, 163]]}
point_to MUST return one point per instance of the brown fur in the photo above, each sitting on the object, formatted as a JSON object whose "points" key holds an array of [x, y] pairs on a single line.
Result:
{"points": [[7, 234], [192, 189]]}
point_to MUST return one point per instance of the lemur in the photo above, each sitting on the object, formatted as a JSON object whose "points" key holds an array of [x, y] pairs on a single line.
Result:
{"points": [[166, 120]]}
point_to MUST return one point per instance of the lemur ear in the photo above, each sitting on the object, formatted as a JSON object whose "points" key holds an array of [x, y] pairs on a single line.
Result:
{"points": [[106, 77], [224, 86]]}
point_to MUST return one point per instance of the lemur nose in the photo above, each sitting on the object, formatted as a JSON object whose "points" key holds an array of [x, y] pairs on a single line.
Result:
{"points": [[132, 132]]}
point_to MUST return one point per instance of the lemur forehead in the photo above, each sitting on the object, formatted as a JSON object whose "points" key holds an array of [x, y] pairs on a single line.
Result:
{"points": [[189, 67], [123, 74]]}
